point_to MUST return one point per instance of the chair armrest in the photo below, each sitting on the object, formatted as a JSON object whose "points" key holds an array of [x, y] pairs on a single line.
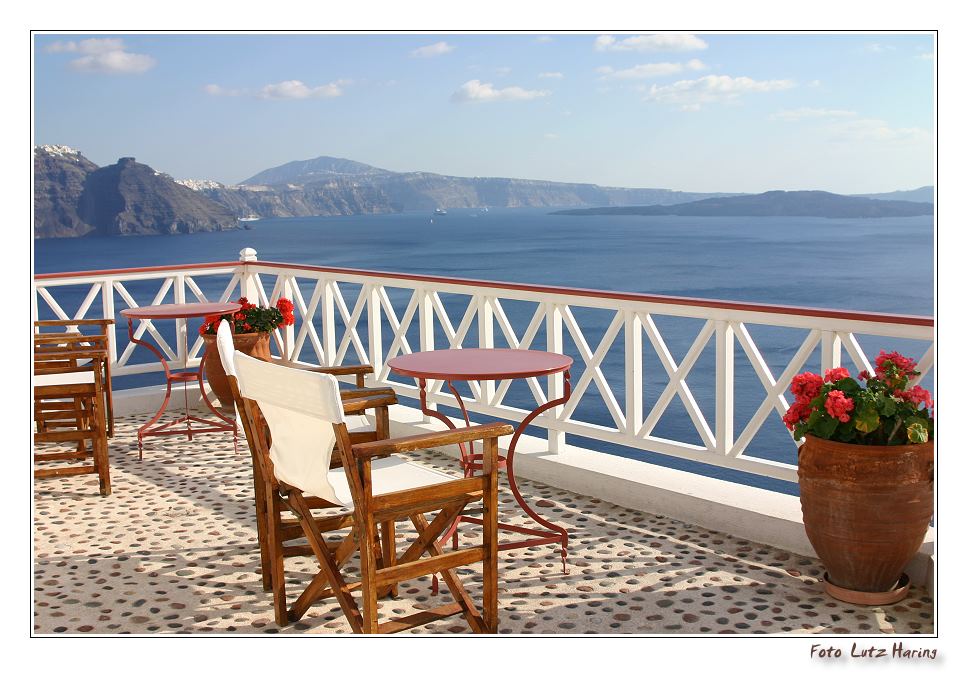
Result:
{"points": [[336, 370], [358, 405], [426, 440], [353, 393], [71, 323]]}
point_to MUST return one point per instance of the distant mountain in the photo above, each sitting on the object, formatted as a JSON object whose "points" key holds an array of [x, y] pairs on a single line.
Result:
{"points": [[73, 197], [775, 204], [60, 173], [327, 185], [318, 169], [923, 194]]}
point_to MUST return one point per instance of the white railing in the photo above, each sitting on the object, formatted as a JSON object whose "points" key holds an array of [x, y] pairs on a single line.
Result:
{"points": [[345, 315]]}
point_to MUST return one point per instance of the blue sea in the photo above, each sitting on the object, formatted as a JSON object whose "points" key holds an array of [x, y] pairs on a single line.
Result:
{"points": [[881, 265]]}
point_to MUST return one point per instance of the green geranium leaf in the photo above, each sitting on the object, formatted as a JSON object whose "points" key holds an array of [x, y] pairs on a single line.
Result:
{"points": [[917, 433], [824, 426], [866, 420]]}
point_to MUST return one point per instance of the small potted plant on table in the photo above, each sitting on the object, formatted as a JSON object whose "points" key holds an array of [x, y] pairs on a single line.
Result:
{"points": [[866, 470], [251, 327]]}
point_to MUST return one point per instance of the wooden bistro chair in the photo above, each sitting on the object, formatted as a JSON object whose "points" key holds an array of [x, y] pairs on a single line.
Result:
{"points": [[72, 401], [68, 340], [270, 515], [304, 414]]}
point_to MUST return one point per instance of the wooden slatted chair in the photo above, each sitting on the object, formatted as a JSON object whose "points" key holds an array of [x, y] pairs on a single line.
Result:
{"points": [[71, 403], [73, 339], [304, 415], [270, 514]]}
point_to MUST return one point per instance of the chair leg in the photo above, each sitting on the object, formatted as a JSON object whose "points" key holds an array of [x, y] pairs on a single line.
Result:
{"points": [[262, 528], [389, 542], [99, 445], [277, 574], [368, 571]]}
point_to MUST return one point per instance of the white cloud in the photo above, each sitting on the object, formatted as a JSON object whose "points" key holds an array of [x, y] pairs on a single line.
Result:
{"points": [[219, 91], [503, 70], [433, 50], [658, 42], [927, 56], [870, 129], [554, 75], [691, 95], [103, 55], [877, 48], [647, 71], [793, 115], [296, 89], [477, 91]]}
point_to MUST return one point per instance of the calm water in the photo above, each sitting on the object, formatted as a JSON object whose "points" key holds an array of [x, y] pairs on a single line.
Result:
{"points": [[881, 265]]}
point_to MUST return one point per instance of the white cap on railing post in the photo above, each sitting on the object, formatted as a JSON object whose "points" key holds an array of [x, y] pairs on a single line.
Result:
{"points": [[248, 254]]}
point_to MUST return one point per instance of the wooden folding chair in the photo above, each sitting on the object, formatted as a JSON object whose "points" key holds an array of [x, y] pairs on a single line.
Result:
{"points": [[269, 514], [73, 339], [304, 415], [71, 404]]}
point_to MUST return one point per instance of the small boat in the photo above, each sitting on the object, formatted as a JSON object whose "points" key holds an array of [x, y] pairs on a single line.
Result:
{"points": [[439, 211], [251, 217]]}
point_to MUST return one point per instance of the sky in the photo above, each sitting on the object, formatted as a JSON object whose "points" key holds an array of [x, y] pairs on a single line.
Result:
{"points": [[849, 113]]}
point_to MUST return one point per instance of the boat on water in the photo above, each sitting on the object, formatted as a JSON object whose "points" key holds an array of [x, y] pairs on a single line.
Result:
{"points": [[440, 211], [251, 217]]}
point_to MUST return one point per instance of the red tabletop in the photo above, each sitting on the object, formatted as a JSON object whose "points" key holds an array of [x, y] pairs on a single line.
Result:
{"points": [[163, 311], [462, 364]]}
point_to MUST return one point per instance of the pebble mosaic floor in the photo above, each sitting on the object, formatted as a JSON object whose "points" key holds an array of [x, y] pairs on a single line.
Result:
{"points": [[174, 550]]}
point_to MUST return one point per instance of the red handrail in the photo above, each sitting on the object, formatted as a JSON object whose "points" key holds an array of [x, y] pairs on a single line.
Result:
{"points": [[900, 319]]}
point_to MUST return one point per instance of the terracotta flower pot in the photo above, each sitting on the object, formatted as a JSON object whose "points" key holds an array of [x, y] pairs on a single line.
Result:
{"points": [[255, 344], [866, 509]]}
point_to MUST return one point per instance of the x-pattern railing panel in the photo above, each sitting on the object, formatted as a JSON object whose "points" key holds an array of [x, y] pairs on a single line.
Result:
{"points": [[334, 322]]}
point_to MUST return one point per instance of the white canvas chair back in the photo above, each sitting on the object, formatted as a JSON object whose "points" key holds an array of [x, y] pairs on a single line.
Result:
{"points": [[226, 348], [300, 408]]}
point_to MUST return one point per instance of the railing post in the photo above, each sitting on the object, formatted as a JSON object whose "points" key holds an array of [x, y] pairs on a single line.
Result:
{"points": [[247, 281], [725, 380], [425, 311], [328, 322], [289, 331], [181, 324], [556, 382], [830, 350], [107, 307], [485, 339], [374, 322], [633, 373]]}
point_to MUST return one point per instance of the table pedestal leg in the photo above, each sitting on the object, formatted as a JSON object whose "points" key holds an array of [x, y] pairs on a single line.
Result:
{"points": [[551, 533], [149, 428]]}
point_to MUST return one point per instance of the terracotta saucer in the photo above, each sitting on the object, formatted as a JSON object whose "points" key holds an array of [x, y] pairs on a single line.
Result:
{"points": [[897, 593]]}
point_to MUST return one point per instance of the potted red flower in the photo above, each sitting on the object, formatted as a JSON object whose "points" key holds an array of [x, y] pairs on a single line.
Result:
{"points": [[251, 327], [866, 470]]}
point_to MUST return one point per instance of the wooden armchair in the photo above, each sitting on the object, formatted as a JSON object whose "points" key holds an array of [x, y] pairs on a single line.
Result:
{"points": [[72, 402], [304, 414], [270, 518]]}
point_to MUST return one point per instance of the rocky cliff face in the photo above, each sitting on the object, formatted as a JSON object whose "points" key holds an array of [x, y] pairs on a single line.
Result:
{"points": [[73, 197], [60, 173]]}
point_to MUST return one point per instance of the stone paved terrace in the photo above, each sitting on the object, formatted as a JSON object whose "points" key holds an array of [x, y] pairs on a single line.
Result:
{"points": [[174, 550]]}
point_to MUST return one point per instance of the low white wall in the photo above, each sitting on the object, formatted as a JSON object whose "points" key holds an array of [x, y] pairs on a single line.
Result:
{"points": [[751, 513]]}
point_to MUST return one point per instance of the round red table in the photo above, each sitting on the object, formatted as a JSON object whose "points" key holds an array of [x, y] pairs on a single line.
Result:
{"points": [[492, 364], [173, 312]]}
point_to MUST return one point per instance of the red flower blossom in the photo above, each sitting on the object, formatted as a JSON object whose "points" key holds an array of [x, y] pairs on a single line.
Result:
{"points": [[836, 374], [864, 374], [917, 395], [284, 305], [797, 412], [806, 386], [838, 405], [904, 365], [247, 327], [245, 303]]}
